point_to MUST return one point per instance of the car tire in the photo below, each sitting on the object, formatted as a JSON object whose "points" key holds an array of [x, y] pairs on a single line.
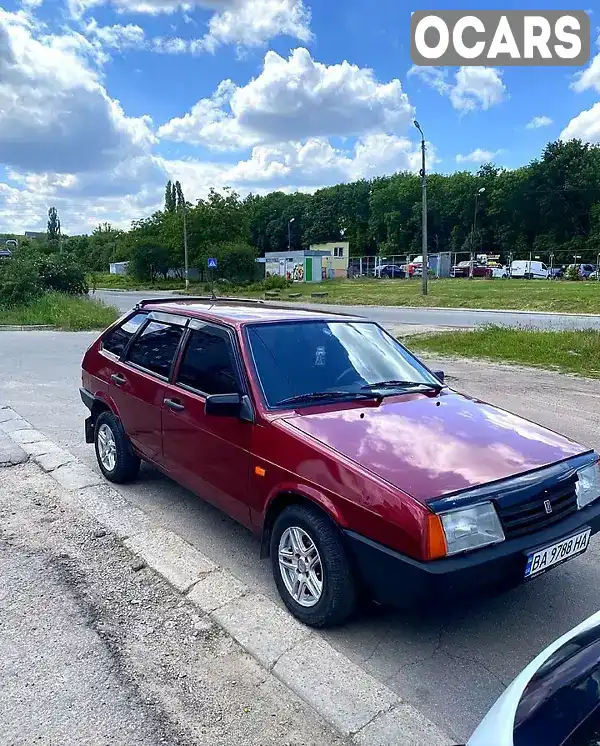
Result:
{"points": [[338, 593], [116, 459]]}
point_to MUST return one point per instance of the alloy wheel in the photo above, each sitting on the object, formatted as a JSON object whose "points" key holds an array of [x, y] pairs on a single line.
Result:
{"points": [[107, 448], [301, 566]]}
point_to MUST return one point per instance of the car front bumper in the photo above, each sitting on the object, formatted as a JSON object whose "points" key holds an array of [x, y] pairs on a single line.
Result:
{"points": [[395, 579]]}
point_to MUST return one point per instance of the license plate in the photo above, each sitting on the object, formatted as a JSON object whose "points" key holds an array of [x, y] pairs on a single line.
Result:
{"points": [[542, 560]]}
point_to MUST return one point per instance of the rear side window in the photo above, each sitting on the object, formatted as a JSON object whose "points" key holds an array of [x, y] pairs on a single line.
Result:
{"points": [[208, 363], [118, 339], [154, 349]]}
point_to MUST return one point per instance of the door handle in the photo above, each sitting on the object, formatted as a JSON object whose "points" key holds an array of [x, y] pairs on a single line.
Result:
{"points": [[175, 405], [118, 379]]}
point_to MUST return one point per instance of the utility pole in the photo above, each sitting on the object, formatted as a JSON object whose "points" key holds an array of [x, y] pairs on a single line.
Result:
{"points": [[290, 233], [424, 190], [481, 191], [185, 249]]}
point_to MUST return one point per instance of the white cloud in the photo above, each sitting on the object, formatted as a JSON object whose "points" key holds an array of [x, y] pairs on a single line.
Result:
{"points": [[253, 22], [588, 78], [538, 122], [136, 188], [477, 88], [585, 126], [294, 99], [474, 87], [240, 22], [434, 77], [306, 166], [478, 156], [56, 115], [117, 37]]}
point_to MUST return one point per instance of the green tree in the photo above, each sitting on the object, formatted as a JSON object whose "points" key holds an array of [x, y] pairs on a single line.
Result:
{"points": [[53, 229], [170, 197], [179, 198]]}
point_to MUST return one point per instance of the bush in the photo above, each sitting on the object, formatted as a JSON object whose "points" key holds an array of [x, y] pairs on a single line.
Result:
{"points": [[276, 282], [20, 283], [61, 273], [29, 275], [573, 273]]}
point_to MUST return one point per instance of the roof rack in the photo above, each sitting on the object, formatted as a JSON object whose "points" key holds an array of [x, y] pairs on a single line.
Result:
{"points": [[202, 298]]}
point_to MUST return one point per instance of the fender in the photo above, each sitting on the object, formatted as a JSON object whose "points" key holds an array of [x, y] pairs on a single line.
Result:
{"points": [[309, 493], [303, 491], [103, 396]]}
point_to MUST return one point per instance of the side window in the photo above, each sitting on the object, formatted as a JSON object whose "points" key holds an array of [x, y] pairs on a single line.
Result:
{"points": [[155, 348], [118, 339], [207, 364]]}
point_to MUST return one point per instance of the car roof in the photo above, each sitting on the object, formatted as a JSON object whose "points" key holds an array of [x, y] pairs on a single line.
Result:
{"points": [[237, 312]]}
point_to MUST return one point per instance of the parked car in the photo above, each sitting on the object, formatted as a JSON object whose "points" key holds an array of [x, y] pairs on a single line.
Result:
{"points": [[463, 269], [346, 455], [526, 270], [556, 273], [415, 268], [390, 271], [555, 700], [585, 270], [500, 272]]}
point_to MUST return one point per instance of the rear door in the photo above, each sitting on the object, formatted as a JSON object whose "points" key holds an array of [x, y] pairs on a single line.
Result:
{"points": [[138, 383], [209, 455]]}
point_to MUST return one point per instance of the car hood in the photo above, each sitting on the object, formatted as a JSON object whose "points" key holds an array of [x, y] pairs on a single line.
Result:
{"points": [[429, 446]]}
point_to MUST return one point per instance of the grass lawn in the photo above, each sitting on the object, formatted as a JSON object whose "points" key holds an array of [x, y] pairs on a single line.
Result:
{"points": [[569, 352], [62, 311], [525, 295]]}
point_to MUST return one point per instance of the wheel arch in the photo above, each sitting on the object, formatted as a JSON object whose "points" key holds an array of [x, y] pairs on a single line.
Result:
{"points": [[293, 496]]}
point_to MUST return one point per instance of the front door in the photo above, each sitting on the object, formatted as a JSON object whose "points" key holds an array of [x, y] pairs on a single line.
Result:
{"points": [[209, 455], [138, 385]]}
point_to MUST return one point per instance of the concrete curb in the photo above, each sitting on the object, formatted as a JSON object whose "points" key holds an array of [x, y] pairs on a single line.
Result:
{"points": [[342, 693], [305, 305], [27, 327]]}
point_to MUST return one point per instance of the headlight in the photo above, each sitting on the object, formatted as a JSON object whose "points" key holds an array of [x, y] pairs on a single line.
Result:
{"points": [[588, 485], [471, 528]]}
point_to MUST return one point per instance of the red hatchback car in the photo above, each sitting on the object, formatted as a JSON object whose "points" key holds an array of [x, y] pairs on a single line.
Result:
{"points": [[355, 464]]}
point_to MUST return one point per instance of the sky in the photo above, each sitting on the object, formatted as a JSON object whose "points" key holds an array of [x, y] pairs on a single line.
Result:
{"points": [[103, 101]]}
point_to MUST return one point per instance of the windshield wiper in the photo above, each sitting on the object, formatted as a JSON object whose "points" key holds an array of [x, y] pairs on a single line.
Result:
{"points": [[401, 385], [324, 395]]}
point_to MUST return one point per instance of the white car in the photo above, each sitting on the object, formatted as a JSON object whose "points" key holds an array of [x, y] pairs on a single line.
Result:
{"points": [[555, 700], [526, 270], [502, 273]]}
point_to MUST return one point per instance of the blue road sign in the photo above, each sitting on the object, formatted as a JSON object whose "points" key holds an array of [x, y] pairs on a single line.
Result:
{"points": [[212, 263]]}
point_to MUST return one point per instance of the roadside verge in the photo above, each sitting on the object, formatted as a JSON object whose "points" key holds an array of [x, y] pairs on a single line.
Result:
{"points": [[351, 700]]}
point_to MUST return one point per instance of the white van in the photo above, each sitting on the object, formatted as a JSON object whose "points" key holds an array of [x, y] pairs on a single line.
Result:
{"points": [[526, 270]]}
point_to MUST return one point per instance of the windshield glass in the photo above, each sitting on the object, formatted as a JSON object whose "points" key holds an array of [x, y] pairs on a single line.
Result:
{"points": [[302, 358]]}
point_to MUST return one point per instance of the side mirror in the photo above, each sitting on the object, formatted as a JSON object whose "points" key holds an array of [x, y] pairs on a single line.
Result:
{"points": [[229, 405], [440, 375]]}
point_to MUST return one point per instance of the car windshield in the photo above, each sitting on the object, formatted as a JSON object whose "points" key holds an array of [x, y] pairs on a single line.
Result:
{"points": [[300, 360]]}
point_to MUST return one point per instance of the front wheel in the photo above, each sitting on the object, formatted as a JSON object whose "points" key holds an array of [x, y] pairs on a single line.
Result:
{"points": [[310, 567], [116, 458]]}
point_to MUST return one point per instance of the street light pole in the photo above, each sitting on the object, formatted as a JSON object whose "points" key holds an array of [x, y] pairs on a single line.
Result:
{"points": [[292, 220], [481, 191], [424, 230]]}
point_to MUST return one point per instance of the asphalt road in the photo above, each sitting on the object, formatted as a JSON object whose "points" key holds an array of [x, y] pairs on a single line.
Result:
{"points": [[433, 317], [451, 664]]}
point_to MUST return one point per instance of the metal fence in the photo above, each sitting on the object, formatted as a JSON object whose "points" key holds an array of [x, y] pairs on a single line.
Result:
{"points": [[440, 265]]}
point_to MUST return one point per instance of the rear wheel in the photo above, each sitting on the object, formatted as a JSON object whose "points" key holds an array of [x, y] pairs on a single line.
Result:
{"points": [[116, 458], [310, 567]]}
